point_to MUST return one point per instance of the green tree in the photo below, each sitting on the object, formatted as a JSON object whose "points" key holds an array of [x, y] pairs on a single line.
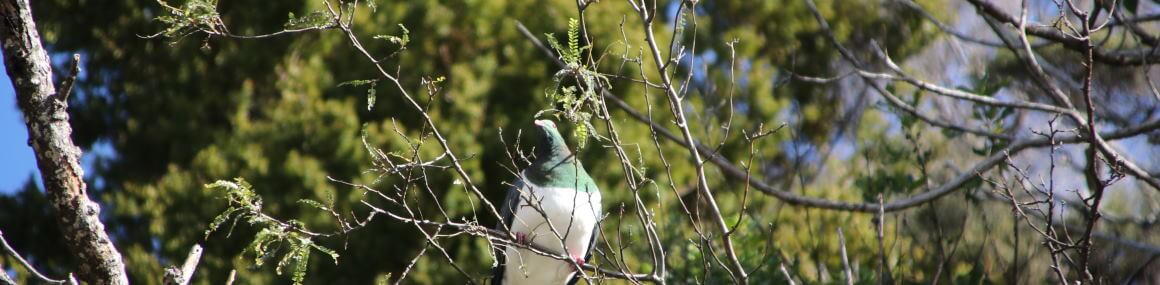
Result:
{"points": [[290, 112]]}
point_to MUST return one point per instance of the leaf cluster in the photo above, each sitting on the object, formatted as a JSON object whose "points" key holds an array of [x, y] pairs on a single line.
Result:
{"points": [[192, 17], [575, 92], [313, 20], [289, 240]]}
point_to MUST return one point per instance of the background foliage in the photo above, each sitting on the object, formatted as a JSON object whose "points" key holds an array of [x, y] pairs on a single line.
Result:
{"points": [[180, 113]]}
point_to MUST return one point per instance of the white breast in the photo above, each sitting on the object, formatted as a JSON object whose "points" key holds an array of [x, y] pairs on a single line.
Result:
{"points": [[572, 214]]}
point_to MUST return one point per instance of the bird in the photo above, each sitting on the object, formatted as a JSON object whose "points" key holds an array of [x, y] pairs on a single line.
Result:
{"points": [[553, 204]]}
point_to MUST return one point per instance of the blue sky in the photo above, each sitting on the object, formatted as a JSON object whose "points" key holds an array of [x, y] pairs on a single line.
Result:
{"points": [[18, 162]]}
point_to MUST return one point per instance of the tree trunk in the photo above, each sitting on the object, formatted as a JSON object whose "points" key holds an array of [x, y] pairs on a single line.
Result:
{"points": [[49, 133]]}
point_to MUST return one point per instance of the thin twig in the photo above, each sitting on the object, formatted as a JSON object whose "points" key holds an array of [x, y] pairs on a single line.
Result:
{"points": [[737, 271], [1093, 158], [879, 223], [784, 272], [66, 85], [233, 276], [845, 259], [8, 248], [184, 274]]}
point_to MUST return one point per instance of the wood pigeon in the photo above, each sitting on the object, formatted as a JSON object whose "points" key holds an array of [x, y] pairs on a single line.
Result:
{"points": [[554, 192]]}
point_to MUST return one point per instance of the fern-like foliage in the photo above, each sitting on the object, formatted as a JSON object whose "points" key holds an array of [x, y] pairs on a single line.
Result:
{"points": [[402, 40], [202, 16], [570, 54], [371, 84], [191, 17], [575, 94], [313, 19], [288, 242]]}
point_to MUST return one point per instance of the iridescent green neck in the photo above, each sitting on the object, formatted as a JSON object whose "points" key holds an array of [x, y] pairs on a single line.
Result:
{"points": [[556, 166]]}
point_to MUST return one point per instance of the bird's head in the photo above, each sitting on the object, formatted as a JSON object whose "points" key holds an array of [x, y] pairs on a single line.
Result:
{"points": [[552, 145]]}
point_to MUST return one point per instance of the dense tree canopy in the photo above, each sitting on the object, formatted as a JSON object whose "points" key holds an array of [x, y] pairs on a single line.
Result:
{"points": [[291, 113]]}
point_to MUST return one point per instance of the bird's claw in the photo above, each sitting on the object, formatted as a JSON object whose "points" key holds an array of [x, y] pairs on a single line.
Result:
{"points": [[521, 238]]}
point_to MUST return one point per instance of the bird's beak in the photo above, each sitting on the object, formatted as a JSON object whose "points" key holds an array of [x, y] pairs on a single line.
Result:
{"points": [[545, 124]]}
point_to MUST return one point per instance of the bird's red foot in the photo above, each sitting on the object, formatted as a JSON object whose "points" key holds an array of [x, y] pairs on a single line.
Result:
{"points": [[579, 262], [521, 238]]}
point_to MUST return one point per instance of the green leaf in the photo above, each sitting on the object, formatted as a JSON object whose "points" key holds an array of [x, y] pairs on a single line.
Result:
{"points": [[551, 38], [404, 39], [302, 258], [314, 204], [371, 91], [371, 98], [573, 55], [275, 238], [330, 252], [220, 219], [358, 82], [316, 19], [581, 133], [401, 40]]}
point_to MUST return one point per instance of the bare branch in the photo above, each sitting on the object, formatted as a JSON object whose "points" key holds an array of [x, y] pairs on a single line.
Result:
{"points": [[1137, 56], [677, 108], [8, 249], [884, 276], [845, 260], [184, 274], [734, 172]]}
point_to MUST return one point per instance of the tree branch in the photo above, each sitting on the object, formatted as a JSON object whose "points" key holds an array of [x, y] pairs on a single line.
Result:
{"points": [[1136, 56], [58, 159], [677, 108], [19, 258], [734, 172], [182, 275]]}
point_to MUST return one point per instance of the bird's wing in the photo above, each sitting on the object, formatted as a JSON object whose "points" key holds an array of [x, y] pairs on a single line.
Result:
{"points": [[507, 211], [507, 214]]}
